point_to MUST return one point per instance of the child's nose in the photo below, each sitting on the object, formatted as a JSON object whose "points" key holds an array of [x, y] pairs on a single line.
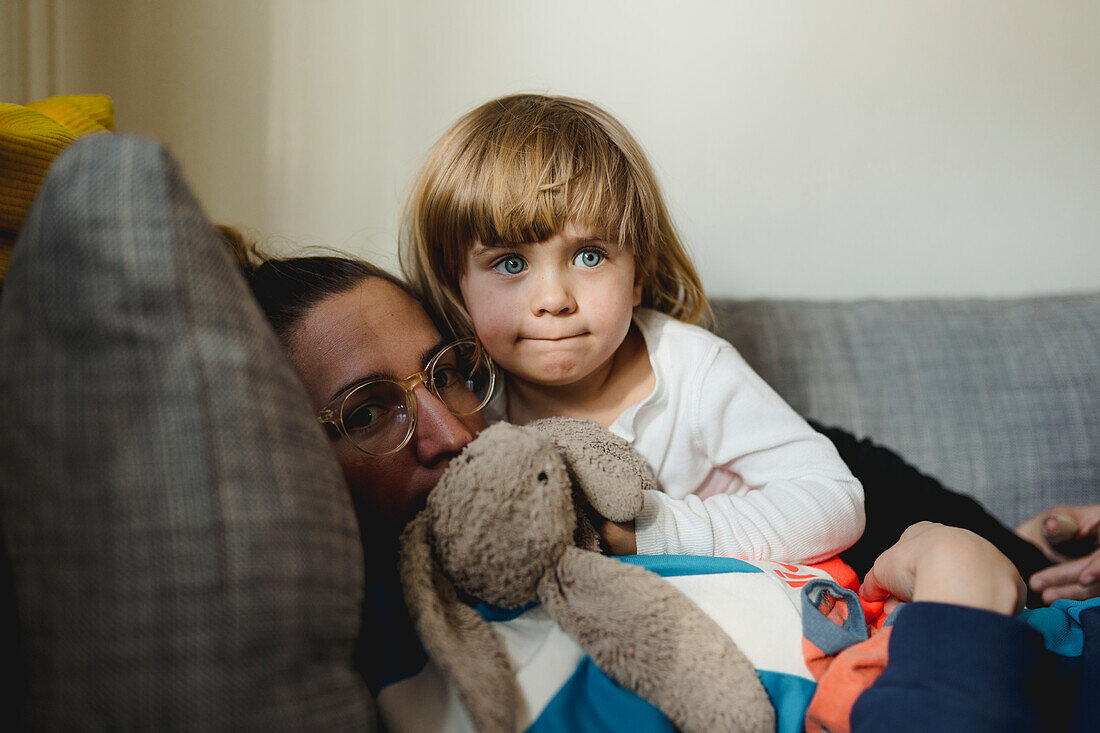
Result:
{"points": [[552, 295]]}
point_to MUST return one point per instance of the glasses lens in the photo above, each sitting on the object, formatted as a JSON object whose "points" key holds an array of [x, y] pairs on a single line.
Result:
{"points": [[376, 416], [463, 377]]}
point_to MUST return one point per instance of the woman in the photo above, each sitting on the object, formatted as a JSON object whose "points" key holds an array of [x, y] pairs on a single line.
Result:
{"points": [[343, 321]]}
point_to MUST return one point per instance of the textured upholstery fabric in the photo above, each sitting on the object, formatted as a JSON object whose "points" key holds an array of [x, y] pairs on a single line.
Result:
{"points": [[999, 399], [183, 550]]}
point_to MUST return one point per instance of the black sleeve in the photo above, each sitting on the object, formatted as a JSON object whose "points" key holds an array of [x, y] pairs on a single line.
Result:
{"points": [[897, 495]]}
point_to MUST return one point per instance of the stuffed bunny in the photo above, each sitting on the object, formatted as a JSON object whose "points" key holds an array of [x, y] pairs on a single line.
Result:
{"points": [[506, 525]]}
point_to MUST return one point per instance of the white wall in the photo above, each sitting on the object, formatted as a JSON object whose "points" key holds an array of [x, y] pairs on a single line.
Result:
{"points": [[807, 149]]}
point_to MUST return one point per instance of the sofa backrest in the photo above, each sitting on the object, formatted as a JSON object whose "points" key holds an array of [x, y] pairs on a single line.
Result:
{"points": [[999, 399]]}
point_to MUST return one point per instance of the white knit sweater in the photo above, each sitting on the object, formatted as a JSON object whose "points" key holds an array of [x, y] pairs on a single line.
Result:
{"points": [[741, 474]]}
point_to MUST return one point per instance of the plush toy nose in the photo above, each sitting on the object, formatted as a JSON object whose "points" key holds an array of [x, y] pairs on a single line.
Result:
{"points": [[502, 514]]}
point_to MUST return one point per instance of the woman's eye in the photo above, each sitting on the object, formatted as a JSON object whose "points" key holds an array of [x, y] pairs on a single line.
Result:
{"points": [[363, 417], [588, 258], [510, 266], [447, 378]]}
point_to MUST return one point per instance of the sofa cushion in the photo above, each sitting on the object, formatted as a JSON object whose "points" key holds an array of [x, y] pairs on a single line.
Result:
{"points": [[999, 399], [183, 549]]}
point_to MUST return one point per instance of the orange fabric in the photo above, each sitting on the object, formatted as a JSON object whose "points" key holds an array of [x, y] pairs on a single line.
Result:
{"points": [[845, 577], [842, 679]]}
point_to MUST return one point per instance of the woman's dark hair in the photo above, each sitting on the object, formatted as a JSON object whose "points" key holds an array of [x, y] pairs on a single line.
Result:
{"points": [[287, 288]]}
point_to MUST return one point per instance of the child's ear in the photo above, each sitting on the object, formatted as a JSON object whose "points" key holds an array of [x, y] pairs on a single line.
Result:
{"points": [[637, 287]]}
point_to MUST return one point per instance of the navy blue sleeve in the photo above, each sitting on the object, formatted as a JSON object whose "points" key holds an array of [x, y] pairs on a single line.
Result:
{"points": [[1086, 715], [957, 669]]}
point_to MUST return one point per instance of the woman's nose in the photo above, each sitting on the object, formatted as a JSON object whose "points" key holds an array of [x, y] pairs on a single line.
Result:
{"points": [[553, 295], [439, 433]]}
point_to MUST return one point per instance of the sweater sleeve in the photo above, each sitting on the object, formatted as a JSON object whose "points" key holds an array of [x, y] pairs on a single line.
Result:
{"points": [[789, 498], [955, 668]]}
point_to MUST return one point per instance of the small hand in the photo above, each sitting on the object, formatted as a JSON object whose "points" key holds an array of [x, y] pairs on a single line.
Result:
{"points": [[931, 562], [618, 537]]}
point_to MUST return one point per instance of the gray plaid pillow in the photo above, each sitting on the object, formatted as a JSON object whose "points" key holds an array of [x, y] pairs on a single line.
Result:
{"points": [[184, 554]]}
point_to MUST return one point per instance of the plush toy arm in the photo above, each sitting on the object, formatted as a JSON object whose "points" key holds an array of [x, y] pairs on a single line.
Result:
{"points": [[458, 640], [604, 467], [653, 641]]}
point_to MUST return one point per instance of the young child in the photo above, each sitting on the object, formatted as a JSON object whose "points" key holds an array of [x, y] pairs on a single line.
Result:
{"points": [[537, 224]]}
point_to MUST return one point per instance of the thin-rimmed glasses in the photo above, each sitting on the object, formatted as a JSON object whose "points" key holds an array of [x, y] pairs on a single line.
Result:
{"points": [[378, 416]]}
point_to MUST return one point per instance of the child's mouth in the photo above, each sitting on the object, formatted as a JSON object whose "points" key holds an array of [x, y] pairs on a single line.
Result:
{"points": [[551, 339]]}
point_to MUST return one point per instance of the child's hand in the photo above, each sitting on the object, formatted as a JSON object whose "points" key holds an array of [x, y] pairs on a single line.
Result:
{"points": [[932, 562], [618, 537]]}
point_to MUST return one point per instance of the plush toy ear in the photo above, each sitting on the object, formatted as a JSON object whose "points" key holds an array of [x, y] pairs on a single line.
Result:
{"points": [[457, 638], [653, 641], [604, 467]]}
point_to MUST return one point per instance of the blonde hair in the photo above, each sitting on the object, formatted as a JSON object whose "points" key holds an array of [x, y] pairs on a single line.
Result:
{"points": [[516, 170]]}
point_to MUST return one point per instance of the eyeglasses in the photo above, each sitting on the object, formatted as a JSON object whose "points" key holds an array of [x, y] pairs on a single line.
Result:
{"points": [[378, 416]]}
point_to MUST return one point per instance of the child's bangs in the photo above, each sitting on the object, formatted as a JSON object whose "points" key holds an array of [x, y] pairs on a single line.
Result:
{"points": [[528, 188]]}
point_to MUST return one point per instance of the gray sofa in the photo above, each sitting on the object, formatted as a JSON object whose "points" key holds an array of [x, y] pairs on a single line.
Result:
{"points": [[999, 399], [179, 549]]}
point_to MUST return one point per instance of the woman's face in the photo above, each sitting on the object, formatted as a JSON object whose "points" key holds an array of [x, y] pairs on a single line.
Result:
{"points": [[375, 330]]}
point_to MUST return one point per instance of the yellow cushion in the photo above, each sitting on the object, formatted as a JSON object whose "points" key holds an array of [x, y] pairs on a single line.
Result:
{"points": [[31, 137]]}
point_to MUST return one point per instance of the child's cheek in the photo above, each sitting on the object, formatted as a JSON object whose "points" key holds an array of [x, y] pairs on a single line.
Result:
{"points": [[491, 324], [494, 330]]}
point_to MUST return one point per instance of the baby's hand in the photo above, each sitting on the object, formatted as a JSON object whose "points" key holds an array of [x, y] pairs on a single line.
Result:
{"points": [[932, 562], [618, 537]]}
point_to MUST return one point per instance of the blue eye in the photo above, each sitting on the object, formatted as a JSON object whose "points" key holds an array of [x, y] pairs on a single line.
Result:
{"points": [[588, 258], [510, 266]]}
